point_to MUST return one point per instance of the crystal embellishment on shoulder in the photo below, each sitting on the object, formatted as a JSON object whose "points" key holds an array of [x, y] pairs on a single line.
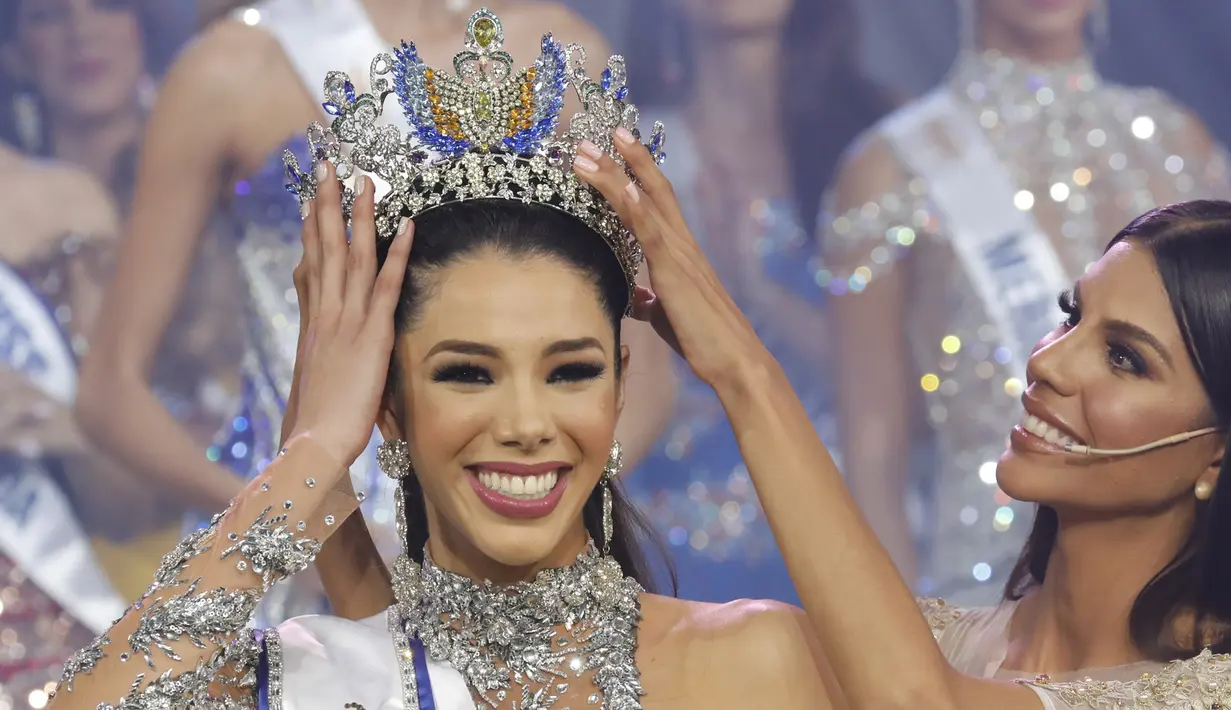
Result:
{"points": [[484, 131]]}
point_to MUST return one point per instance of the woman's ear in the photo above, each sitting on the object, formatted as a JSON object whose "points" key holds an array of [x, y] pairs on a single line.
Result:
{"points": [[1216, 462], [388, 419]]}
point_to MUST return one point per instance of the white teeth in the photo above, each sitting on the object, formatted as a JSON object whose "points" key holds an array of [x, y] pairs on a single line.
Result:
{"points": [[520, 487], [1045, 431]]}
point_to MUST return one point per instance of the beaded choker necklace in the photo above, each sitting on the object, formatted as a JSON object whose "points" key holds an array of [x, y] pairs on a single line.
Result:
{"points": [[522, 646]]}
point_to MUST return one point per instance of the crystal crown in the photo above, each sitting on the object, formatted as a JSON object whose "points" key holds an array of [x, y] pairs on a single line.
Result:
{"points": [[484, 132]]}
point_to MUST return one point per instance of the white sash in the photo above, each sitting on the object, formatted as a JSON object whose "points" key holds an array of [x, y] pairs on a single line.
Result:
{"points": [[1010, 261], [38, 529], [327, 662]]}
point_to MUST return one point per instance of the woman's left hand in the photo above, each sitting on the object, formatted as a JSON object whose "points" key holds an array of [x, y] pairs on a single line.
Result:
{"points": [[688, 306]]}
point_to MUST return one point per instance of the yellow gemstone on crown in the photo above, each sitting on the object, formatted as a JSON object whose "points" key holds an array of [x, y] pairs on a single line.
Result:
{"points": [[483, 107], [485, 31]]}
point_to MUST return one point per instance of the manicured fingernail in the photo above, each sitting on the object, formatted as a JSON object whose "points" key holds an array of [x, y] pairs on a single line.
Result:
{"points": [[304, 208], [403, 225], [634, 193], [590, 150], [360, 185], [322, 170], [581, 162], [624, 135]]}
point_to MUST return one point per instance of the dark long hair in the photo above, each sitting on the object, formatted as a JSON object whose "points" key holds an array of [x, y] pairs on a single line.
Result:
{"points": [[1191, 245], [825, 100], [450, 233]]}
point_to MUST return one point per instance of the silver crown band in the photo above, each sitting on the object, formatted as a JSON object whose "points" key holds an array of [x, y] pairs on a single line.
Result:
{"points": [[485, 132]]}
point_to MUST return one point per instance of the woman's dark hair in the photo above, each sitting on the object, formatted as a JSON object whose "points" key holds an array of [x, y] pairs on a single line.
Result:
{"points": [[451, 233], [1191, 245], [825, 100]]}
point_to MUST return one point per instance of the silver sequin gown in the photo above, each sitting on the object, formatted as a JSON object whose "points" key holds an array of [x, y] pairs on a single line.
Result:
{"points": [[1085, 157]]}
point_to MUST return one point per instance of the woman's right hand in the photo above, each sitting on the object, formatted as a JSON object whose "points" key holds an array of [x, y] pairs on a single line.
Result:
{"points": [[33, 422], [347, 336]]}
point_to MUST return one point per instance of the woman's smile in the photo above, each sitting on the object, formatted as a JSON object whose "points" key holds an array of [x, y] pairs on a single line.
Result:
{"points": [[520, 490]]}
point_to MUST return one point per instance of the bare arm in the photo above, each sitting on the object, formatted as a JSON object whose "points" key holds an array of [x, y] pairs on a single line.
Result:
{"points": [[101, 487], [859, 608], [182, 162], [189, 630], [875, 396]]}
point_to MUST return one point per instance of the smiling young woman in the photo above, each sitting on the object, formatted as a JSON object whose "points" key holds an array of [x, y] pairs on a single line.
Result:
{"points": [[490, 354]]}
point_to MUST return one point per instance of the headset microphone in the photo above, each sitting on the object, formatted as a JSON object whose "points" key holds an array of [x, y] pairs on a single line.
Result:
{"points": [[1169, 441]]}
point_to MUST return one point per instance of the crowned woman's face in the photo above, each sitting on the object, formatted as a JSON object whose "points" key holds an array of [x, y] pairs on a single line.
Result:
{"points": [[509, 392], [1116, 375]]}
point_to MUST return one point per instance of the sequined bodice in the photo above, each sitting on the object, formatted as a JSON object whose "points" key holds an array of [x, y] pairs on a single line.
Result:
{"points": [[1085, 158], [269, 249]]}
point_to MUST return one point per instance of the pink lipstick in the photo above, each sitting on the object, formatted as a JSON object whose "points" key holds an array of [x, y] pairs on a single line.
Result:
{"points": [[518, 490]]}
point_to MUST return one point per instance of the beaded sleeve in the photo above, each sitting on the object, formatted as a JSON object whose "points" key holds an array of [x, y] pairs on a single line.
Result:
{"points": [[186, 642], [866, 242]]}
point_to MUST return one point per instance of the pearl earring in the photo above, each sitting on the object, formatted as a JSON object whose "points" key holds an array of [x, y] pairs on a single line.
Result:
{"points": [[1203, 490]]}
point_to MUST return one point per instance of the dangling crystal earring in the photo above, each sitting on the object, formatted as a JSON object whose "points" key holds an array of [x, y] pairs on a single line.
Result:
{"points": [[27, 121], [615, 462], [393, 457], [1203, 490]]}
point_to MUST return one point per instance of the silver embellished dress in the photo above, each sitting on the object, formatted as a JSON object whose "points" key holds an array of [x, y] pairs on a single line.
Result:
{"points": [[1077, 159], [567, 638], [975, 641]]}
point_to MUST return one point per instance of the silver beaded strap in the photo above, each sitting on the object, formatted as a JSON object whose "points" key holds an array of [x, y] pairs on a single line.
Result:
{"points": [[272, 642]]}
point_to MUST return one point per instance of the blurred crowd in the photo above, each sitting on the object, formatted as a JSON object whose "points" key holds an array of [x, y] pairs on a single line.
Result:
{"points": [[148, 323]]}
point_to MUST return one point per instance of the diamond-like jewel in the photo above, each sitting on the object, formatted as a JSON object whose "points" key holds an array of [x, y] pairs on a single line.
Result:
{"points": [[474, 130]]}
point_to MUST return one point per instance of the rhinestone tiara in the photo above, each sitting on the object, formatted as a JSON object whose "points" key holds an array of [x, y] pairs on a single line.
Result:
{"points": [[484, 132]]}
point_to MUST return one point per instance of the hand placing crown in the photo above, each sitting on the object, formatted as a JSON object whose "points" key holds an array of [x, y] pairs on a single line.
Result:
{"points": [[486, 131]]}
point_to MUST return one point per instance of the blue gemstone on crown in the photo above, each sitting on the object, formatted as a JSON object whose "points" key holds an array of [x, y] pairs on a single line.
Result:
{"points": [[486, 130]]}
